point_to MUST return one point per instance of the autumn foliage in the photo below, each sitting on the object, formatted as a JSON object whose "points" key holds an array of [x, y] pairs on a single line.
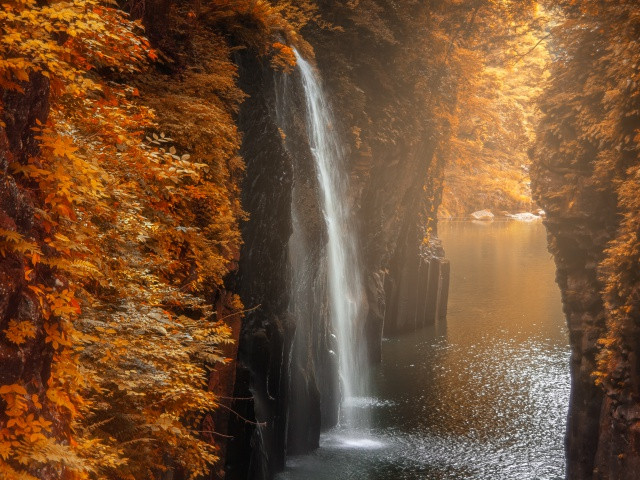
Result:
{"points": [[496, 58], [590, 135], [495, 120], [133, 229]]}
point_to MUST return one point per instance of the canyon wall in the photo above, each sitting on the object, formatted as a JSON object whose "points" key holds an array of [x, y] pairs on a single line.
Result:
{"points": [[585, 176], [577, 238]]}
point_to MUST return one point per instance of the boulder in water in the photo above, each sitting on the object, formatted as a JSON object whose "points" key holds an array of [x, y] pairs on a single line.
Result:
{"points": [[524, 217], [485, 215]]}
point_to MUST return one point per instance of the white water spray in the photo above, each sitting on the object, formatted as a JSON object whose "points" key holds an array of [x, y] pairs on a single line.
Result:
{"points": [[345, 287]]}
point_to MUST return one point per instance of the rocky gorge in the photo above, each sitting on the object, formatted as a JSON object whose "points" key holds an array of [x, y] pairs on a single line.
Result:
{"points": [[163, 208]]}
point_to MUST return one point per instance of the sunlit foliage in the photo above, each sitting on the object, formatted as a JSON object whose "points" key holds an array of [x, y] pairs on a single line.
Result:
{"points": [[501, 72], [134, 234], [591, 134]]}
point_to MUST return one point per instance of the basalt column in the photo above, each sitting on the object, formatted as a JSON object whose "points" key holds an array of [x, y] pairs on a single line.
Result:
{"points": [[257, 449]]}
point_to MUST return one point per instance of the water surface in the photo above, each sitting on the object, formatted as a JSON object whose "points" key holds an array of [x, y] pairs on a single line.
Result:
{"points": [[482, 397]]}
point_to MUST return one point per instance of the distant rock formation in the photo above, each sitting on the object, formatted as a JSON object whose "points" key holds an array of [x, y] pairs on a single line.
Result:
{"points": [[524, 217], [485, 215]]}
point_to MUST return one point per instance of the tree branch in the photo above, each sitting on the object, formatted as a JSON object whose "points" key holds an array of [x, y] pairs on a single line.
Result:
{"points": [[520, 57]]}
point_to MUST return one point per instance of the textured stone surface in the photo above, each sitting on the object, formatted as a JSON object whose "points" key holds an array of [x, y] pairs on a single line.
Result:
{"points": [[577, 238], [262, 281]]}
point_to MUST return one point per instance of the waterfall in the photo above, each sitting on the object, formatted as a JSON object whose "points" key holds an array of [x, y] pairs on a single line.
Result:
{"points": [[344, 278]]}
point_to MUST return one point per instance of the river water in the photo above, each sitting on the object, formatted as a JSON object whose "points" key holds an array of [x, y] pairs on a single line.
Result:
{"points": [[483, 396]]}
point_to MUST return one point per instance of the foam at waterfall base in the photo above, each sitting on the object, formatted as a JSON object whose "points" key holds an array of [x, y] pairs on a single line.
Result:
{"points": [[366, 402], [348, 439]]}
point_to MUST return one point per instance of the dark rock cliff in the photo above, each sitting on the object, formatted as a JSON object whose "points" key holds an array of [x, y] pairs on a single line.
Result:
{"points": [[577, 238], [286, 387], [257, 449], [602, 440]]}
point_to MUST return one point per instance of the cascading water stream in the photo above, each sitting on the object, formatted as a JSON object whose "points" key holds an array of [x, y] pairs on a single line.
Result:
{"points": [[345, 289]]}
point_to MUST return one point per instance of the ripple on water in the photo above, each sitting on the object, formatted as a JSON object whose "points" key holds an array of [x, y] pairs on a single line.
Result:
{"points": [[367, 402], [485, 397]]}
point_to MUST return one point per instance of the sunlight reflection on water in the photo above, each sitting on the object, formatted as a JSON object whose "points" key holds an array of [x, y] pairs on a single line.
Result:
{"points": [[483, 397]]}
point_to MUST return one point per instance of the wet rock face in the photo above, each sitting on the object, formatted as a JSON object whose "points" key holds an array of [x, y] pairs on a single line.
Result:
{"points": [[577, 238], [258, 447], [314, 387], [286, 368]]}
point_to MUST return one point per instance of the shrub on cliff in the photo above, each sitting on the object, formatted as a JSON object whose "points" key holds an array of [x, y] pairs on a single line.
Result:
{"points": [[124, 248]]}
